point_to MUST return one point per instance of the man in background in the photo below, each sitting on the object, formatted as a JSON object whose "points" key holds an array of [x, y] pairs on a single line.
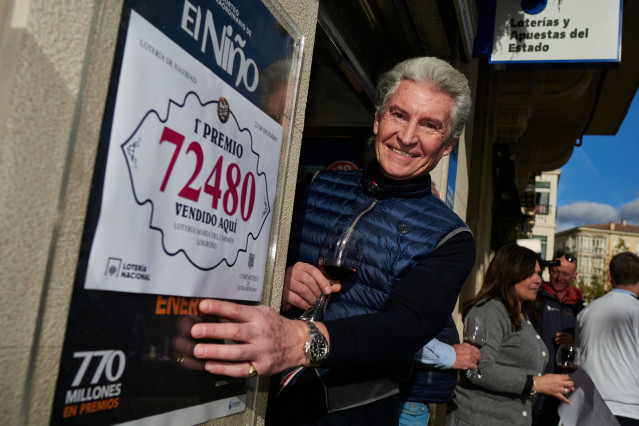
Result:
{"points": [[434, 375], [558, 303], [608, 335]]}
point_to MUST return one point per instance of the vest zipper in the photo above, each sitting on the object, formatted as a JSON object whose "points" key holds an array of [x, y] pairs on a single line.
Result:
{"points": [[362, 213]]}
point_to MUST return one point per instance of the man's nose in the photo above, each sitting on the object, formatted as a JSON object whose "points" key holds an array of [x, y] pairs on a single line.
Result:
{"points": [[408, 133]]}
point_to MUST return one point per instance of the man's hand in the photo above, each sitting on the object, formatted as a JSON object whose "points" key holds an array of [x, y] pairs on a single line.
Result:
{"points": [[565, 339], [303, 285], [256, 336], [466, 357]]}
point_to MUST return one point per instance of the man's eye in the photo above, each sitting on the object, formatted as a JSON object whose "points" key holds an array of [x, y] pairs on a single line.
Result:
{"points": [[429, 127]]}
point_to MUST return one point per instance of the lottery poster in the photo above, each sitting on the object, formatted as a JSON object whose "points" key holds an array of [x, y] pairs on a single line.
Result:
{"points": [[181, 205]]}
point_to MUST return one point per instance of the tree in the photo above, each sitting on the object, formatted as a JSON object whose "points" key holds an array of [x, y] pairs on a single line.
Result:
{"points": [[621, 246], [596, 289]]}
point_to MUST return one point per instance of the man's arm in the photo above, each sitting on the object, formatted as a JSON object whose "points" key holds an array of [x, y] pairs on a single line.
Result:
{"points": [[436, 354], [387, 340], [413, 315], [442, 356]]}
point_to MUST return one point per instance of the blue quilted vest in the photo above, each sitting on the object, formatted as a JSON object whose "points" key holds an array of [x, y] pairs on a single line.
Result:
{"points": [[403, 223]]}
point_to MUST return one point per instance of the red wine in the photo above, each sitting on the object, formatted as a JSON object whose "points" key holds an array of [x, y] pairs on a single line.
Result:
{"points": [[475, 344], [567, 369], [336, 273]]}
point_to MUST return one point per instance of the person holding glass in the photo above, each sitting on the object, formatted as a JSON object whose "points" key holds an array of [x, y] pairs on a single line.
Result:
{"points": [[434, 375], [416, 256], [513, 355], [558, 303]]}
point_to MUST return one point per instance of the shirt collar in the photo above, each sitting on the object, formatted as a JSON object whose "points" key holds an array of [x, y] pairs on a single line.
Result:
{"points": [[622, 290]]}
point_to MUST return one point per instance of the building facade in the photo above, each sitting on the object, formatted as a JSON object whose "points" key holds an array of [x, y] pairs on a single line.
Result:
{"points": [[546, 213], [594, 246]]}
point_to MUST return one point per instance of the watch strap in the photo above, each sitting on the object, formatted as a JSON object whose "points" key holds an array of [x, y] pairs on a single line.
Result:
{"points": [[316, 338], [311, 325]]}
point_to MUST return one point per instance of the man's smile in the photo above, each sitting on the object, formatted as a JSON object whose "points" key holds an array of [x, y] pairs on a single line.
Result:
{"points": [[400, 152]]}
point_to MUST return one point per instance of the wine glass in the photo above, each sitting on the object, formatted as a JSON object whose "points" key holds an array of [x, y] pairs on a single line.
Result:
{"points": [[475, 332], [568, 358], [339, 258]]}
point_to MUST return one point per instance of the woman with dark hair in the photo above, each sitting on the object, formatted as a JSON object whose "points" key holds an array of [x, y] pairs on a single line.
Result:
{"points": [[514, 355]]}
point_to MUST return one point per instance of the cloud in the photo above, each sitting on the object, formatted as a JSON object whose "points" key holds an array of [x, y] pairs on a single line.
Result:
{"points": [[630, 212], [589, 213]]}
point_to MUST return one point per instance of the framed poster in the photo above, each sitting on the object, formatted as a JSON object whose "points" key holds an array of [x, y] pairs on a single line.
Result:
{"points": [[196, 123], [192, 161]]}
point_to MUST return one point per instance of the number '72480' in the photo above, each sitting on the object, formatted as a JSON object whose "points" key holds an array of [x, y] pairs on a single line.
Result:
{"points": [[233, 179]]}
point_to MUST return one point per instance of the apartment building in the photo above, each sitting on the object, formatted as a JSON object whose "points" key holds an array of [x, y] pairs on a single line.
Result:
{"points": [[594, 246]]}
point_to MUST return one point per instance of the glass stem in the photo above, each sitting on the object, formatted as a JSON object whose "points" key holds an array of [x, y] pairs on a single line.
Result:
{"points": [[316, 311]]}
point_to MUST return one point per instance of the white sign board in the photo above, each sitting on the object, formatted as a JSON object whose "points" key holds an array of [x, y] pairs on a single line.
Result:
{"points": [[190, 179], [562, 31]]}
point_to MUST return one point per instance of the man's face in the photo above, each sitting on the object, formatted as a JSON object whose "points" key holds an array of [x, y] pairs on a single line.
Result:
{"points": [[562, 276], [410, 134]]}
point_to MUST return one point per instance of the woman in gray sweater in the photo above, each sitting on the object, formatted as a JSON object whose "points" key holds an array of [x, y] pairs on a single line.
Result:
{"points": [[514, 355]]}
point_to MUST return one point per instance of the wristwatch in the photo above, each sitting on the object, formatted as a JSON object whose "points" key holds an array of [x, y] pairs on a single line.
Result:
{"points": [[316, 348]]}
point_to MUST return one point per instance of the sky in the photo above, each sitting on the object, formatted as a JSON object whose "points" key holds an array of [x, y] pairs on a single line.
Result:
{"points": [[600, 182]]}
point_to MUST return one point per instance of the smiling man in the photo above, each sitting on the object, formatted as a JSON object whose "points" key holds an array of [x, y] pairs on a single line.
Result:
{"points": [[415, 259], [411, 132], [558, 304]]}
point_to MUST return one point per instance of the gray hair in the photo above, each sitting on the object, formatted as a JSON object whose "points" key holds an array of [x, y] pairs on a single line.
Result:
{"points": [[439, 73]]}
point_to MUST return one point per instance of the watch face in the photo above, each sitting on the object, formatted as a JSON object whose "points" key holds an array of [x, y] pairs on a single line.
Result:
{"points": [[318, 347]]}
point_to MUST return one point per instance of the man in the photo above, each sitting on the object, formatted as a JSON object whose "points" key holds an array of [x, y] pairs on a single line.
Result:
{"points": [[558, 303], [608, 335], [416, 258], [434, 375]]}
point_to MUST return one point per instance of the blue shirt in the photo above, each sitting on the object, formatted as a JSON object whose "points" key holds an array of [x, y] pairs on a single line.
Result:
{"points": [[437, 355]]}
